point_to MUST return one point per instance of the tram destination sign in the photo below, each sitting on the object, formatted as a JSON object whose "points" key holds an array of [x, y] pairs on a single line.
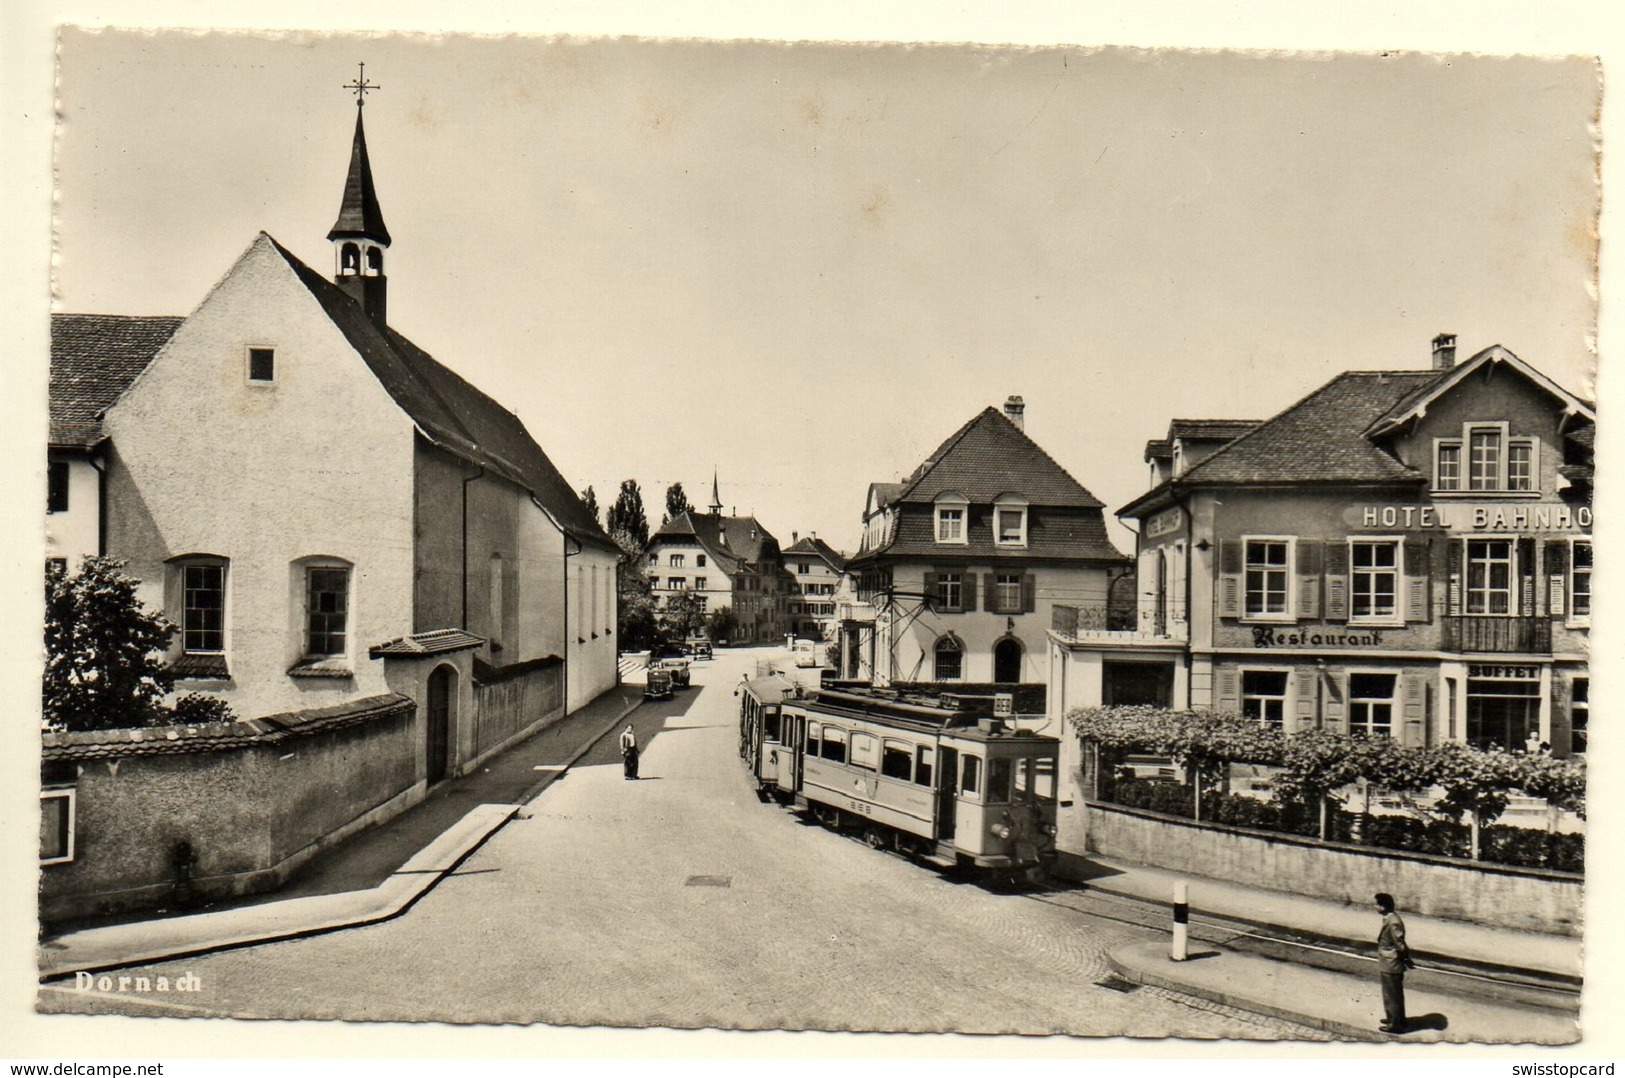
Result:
{"points": [[1471, 517]]}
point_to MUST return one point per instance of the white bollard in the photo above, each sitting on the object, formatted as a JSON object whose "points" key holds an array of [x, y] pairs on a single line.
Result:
{"points": [[1178, 949]]}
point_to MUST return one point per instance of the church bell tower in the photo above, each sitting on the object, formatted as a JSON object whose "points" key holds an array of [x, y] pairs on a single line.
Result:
{"points": [[359, 236]]}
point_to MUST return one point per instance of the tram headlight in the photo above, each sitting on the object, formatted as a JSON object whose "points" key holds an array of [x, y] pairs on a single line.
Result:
{"points": [[1001, 831], [1048, 829]]}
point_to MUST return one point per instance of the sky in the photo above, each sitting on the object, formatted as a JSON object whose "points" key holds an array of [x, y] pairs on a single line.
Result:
{"points": [[802, 267]]}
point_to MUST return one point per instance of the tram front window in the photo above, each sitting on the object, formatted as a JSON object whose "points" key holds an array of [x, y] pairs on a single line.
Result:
{"points": [[998, 780], [1044, 780], [770, 725], [972, 777]]}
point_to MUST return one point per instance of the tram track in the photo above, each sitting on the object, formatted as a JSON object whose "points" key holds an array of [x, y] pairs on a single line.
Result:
{"points": [[1531, 989]]}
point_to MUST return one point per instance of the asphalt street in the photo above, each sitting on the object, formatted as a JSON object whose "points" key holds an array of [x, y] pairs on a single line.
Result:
{"points": [[682, 901]]}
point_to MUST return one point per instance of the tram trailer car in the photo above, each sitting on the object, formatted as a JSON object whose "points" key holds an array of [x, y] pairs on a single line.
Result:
{"points": [[761, 704], [921, 775]]}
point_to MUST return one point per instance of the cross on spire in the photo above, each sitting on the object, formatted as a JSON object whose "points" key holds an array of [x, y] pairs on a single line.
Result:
{"points": [[360, 87]]}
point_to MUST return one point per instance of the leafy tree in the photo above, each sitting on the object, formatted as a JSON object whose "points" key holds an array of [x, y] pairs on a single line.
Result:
{"points": [[676, 502], [1476, 782], [721, 624], [104, 667], [685, 614], [589, 498], [636, 621], [626, 514]]}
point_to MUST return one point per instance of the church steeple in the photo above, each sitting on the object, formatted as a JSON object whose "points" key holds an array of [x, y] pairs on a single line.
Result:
{"points": [[716, 498], [359, 236]]}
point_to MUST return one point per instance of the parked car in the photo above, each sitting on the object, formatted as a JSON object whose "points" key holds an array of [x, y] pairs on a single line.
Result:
{"points": [[671, 649], [677, 670], [699, 647], [658, 685]]}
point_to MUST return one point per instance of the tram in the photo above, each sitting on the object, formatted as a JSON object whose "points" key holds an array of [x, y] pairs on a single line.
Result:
{"points": [[927, 776]]}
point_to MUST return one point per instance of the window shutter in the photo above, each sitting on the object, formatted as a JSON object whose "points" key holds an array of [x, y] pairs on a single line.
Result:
{"points": [[1230, 578], [969, 590], [1029, 593], [1228, 689], [1305, 686], [990, 595], [931, 590], [1415, 690], [1526, 575], [1309, 578], [1557, 569], [1418, 589], [1562, 716], [1334, 711], [1456, 548], [1337, 582]]}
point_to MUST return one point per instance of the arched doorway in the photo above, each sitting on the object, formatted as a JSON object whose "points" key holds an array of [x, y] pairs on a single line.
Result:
{"points": [[442, 709], [1007, 660]]}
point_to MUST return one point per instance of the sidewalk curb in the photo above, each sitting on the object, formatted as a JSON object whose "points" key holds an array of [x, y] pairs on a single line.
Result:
{"points": [[349, 909], [1228, 999]]}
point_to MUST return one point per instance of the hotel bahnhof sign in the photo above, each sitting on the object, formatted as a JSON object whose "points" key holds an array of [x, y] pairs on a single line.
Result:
{"points": [[1471, 517]]}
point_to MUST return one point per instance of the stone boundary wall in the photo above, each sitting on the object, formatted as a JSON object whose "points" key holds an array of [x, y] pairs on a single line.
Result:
{"points": [[1535, 900], [251, 800]]}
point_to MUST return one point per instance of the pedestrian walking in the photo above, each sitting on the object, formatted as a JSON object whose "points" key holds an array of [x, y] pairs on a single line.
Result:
{"points": [[1393, 959], [629, 752]]}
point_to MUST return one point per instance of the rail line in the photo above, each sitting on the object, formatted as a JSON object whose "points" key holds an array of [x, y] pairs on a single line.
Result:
{"points": [[1153, 916]]}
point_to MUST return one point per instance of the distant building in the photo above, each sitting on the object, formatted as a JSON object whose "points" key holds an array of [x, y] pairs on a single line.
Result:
{"points": [[728, 561], [1402, 553], [962, 563], [818, 570]]}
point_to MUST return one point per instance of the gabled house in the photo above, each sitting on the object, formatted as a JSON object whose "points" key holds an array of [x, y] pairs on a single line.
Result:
{"points": [[94, 358], [728, 561], [1401, 553], [962, 563], [817, 569]]}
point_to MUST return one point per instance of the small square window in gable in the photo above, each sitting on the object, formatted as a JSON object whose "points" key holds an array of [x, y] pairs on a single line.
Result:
{"points": [[262, 364]]}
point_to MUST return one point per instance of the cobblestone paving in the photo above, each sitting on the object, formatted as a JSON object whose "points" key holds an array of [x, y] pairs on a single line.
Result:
{"points": [[682, 901]]}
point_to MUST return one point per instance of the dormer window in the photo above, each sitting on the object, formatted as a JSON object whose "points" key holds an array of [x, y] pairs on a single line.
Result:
{"points": [[951, 521], [1010, 522], [1484, 460]]}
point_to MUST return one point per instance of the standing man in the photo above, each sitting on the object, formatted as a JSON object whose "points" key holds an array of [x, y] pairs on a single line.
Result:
{"points": [[1393, 959], [629, 753]]}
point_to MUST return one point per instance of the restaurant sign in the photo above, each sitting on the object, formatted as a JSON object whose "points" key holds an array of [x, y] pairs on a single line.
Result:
{"points": [[1267, 636], [1465, 516]]}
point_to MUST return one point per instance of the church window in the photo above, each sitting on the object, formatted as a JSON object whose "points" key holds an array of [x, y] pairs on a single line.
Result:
{"points": [[349, 259], [262, 364], [327, 603], [375, 261], [203, 607]]}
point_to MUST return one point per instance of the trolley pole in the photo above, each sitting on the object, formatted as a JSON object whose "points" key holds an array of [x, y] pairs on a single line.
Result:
{"points": [[1178, 948]]}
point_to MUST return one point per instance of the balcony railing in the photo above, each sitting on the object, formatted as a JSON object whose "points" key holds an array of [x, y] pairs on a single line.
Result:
{"points": [[1147, 620], [1490, 633]]}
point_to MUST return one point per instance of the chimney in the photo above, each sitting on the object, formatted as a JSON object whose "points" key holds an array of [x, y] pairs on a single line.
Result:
{"points": [[1016, 410], [1444, 351], [795, 537]]}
